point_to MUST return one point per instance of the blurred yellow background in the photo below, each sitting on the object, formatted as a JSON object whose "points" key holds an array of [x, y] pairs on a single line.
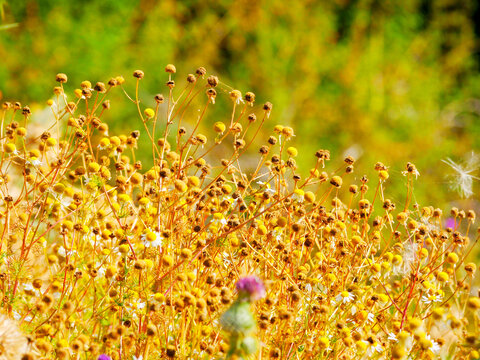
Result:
{"points": [[390, 81]]}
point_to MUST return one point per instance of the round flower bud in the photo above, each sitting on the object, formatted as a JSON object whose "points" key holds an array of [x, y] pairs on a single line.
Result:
{"points": [[201, 71], [236, 96], [9, 148], [100, 87], [61, 78], [473, 303], [167, 260], [120, 80], [50, 142], [309, 197], [250, 97], [124, 249], [414, 323], [212, 81], [423, 253], [171, 69], [149, 113], [139, 74], [268, 106], [180, 186], [193, 181], [442, 276], [452, 258], [438, 313], [159, 98], [186, 253], [151, 330], [323, 342], [470, 268], [212, 94], [292, 151], [402, 217], [21, 131], [398, 351], [93, 167], [336, 181], [383, 175], [219, 127]]}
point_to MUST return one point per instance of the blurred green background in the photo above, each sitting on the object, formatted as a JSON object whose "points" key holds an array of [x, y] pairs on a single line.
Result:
{"points": [[390, 81]]}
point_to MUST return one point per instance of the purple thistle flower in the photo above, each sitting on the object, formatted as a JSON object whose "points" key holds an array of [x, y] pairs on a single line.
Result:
{"points": [[251, 287], [450, 222], [104, 357]]}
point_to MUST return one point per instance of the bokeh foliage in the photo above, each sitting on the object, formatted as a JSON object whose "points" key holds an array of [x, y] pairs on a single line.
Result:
{"points": [[396, 81]]}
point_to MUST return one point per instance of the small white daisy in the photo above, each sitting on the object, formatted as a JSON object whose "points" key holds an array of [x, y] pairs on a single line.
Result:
{"points": [[434, 347], [392, 337], [428, 299], [157, 241], [345, 297], [370, 318], [61, 251], [34, 162]]}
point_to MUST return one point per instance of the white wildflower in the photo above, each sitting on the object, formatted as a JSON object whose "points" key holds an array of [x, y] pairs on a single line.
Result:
{"points": [[435, 347], [345, 297], [428, 299], [268, 190], [61, 251], [277, 233], [370, 318], [373, 347], [392, 337], [152, 239], [219, 220], [29, 288], [34, 161]]}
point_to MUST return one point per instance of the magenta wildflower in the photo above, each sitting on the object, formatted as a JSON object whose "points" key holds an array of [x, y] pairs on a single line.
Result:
{"points": [[450, 222], [251, 288], [104, 357]]}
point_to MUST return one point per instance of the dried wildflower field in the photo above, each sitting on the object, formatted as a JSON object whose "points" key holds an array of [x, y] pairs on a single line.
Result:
{"points": [[201, 256]]}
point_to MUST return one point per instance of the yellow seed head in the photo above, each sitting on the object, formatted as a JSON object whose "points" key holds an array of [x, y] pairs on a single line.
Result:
{"points": [[414, 323], [336, 181], [323, 342], [171, 69], [442, 276], [180, 186], [383, 175], [452, 258], [235, 95], [309, 197], [219, 127], [167, 260], [473, 303], [149, 113], [9, 148], [93, 167], [292, 151]]}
